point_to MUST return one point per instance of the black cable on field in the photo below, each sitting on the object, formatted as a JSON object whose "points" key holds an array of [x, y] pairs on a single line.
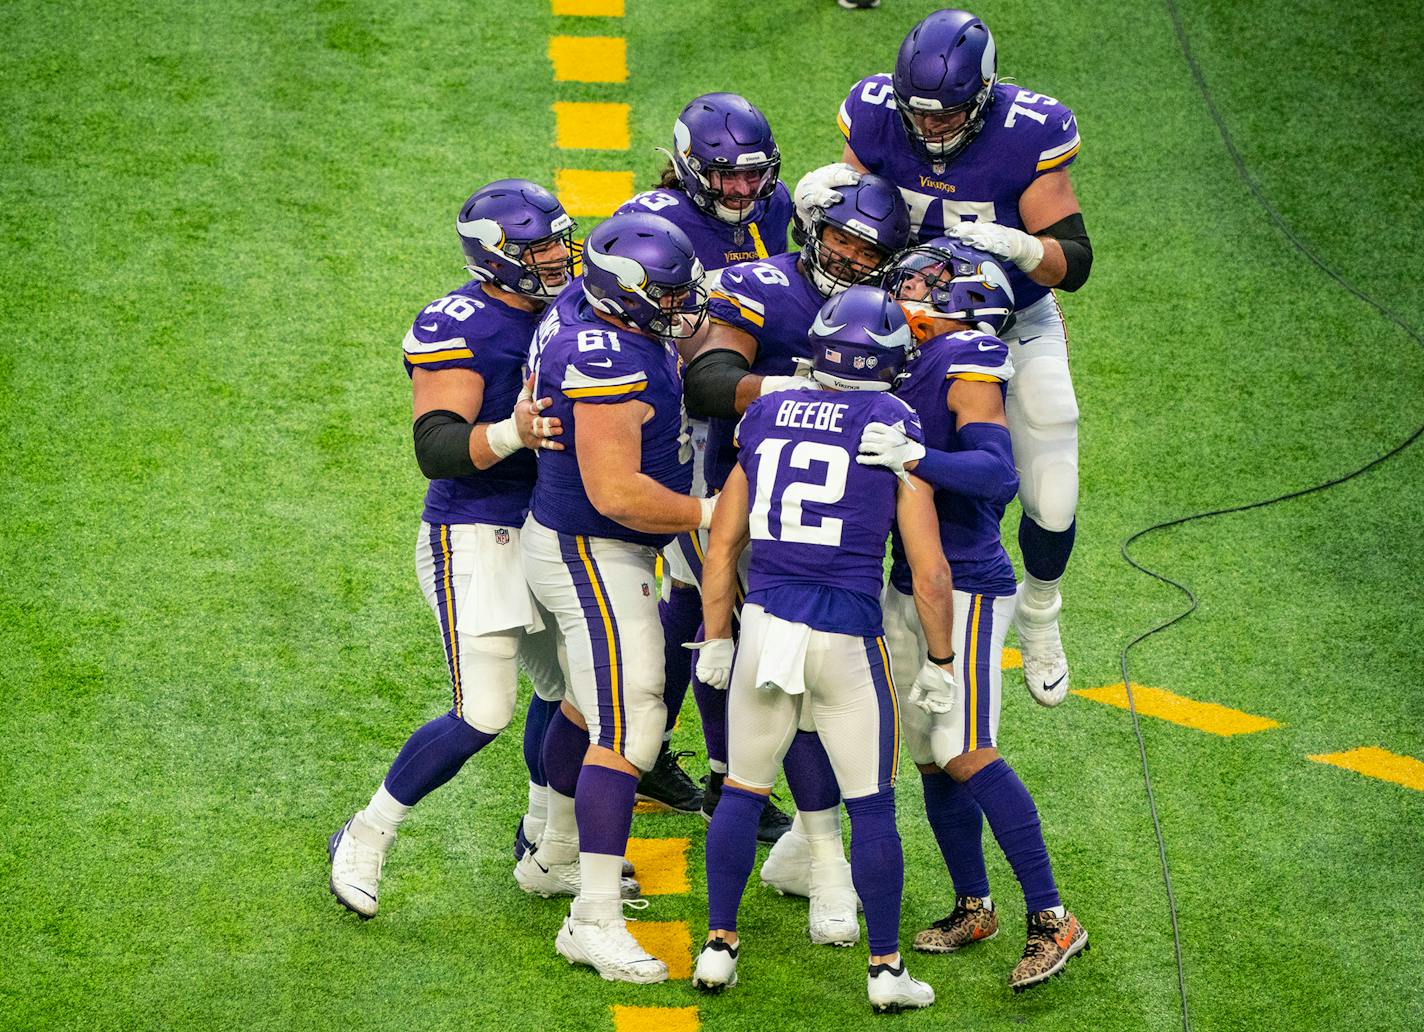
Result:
{"points": [[1126, 549]]}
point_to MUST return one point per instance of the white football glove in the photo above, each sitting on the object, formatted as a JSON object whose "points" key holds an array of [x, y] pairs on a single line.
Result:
{"points": [[888, 446], [772, 384], [714, 661], [935, 689], [1023, 250], [817, 189]]}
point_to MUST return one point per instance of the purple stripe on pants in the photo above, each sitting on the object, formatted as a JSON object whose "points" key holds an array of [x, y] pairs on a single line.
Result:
{"points": [[445, 609], [603, 636], [885, 703], [983, 662]]}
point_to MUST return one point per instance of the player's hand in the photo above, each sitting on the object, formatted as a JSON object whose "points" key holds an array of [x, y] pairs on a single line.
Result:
{"points": [[1023, 250], [817, 189], [714, 661], [772, 384], [536, 431], [935, 689], [884, 445]]}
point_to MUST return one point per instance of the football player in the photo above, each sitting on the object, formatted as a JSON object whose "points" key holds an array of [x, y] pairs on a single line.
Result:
{"points": [[601, 510], [464, 355], [756, 341], [812, 651], [721, 187], [959, 298], [988, 163]]}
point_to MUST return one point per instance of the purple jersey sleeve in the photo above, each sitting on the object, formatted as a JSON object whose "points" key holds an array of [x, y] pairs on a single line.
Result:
{"points": [[735, 301], [603, 372], [865, 115], [977, 356], [1055, 139], [447, 335]]}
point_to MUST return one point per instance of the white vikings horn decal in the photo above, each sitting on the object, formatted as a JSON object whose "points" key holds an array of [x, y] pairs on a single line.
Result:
{"points": [[821, 328], [486, 231], [901, 338], [631, 275]]}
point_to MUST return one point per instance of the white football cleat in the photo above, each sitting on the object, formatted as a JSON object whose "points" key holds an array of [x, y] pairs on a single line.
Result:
{"points": [[892, 989], [357, 854], [540, 879], [1045, 666], [716, 967], [832, 920], [787, 867], [604, 944]]}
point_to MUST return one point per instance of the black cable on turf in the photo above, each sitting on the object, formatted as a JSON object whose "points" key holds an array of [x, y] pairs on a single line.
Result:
{"points": [[1244, 172]]}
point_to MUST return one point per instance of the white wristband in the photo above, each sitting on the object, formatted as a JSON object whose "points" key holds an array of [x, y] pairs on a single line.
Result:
{"points": [[503, 437], [708, 505], [1030, 261]]}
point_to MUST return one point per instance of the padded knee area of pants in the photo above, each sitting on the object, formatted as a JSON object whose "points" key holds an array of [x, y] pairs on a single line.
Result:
{"points": [[1049, 492], [490, 674]]}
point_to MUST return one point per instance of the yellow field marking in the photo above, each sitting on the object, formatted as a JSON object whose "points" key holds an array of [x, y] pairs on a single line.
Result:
{"points": [[585, 192], [661, 864], [1013, 659], [589, 58], [588, 8], [1165, 705], [669, 941], [1374, 762], [588, 126], [655, 1019]]}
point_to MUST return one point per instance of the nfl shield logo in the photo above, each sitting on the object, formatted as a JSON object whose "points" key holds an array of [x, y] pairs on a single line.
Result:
{"points": [[501, 536]]}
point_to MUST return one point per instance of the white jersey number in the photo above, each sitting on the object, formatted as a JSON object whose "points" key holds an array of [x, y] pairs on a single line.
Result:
{"points": [[794, 496]]}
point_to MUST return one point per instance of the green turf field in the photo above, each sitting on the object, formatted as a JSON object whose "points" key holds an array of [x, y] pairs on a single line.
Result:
{"points": [[219, 218]]}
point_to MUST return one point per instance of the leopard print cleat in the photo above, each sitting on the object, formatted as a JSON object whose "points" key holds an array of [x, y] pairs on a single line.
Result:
{"points": [[1052, 942]]}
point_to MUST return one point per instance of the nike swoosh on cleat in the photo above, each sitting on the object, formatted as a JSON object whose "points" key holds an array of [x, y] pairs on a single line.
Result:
{"points": [[1055, 684], [360, 890]]}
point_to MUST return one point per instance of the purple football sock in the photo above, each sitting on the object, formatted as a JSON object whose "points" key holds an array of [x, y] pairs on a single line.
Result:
{"points": [[681, 615], [1045, 552], [958, 826], [564, 746], [536, 722], [809, 774], [432, 756], [603, 807], [712, 707], [877, 867], [1014, 822], [731, 852]]}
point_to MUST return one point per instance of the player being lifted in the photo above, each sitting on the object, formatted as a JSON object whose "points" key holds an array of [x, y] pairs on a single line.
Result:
{"points": [[988, 162], [958, 298], [761, 313], [601, 510], [464, 355], [812, 651], [720, 187]]}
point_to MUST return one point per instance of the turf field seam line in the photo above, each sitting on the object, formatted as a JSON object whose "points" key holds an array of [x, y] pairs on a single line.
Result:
{"points": [[1126, 548]]}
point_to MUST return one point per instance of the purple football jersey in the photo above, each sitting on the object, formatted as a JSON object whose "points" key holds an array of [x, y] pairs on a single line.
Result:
{"points": [[578, 357], [1025, 134], [468, 329], [968, 527], [717, 243], [776, 303], [819, 519]]}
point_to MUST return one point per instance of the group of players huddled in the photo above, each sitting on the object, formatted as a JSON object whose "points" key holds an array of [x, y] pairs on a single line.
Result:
{"points": [[764, 420]]}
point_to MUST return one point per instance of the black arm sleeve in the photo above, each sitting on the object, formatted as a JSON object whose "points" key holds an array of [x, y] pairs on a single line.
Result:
{"points": [[1072, 236], [710, 383], [442, 445]]}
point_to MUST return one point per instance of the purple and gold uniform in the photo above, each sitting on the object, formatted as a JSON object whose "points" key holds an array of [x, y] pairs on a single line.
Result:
{"points": [[983, 573], [776, 303], [717, 243], [812, 625], [594, 574], [1025, 135]]}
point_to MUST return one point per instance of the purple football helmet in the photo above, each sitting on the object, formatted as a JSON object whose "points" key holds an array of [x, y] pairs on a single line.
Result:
{"points": [[509, 230], [642, 269], [873, 212], [947, 279], [860, 341], [724, 152], [946, 66]]}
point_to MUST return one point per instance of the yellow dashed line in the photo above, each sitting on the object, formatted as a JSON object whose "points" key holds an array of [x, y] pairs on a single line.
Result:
{"points": [[589, 8], [669, 941], [661, 865], [1013, 659], [1374, 762], [587, 126], [1165, 705], [585, 192], [589, 58], [655, 1019]]}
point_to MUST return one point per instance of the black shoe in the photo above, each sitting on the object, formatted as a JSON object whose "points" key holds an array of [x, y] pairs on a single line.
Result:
{"points": [[711, 793], [773, 823], [667, 784], [521, 844]]}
